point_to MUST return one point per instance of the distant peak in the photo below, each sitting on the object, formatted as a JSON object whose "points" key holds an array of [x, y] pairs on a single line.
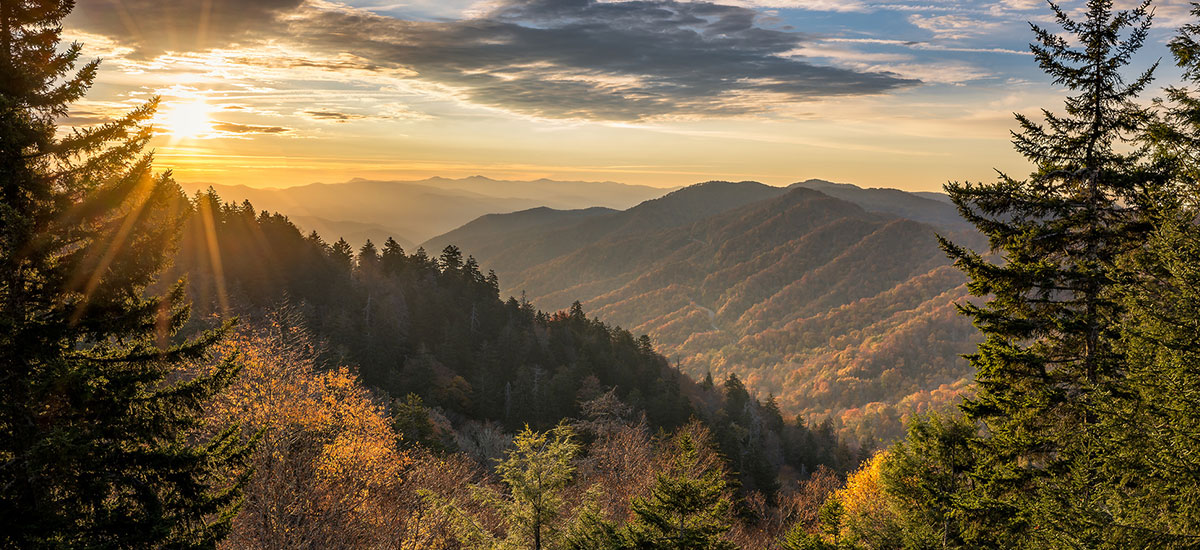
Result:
{"points": [[721, 183], [821, 182]]}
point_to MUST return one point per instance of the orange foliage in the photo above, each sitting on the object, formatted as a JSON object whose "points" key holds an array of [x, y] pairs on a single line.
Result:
{"points": [[327, 469]]}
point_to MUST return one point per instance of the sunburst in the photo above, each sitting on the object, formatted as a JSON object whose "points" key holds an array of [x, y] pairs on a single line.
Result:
{"points": [[187, 119]]}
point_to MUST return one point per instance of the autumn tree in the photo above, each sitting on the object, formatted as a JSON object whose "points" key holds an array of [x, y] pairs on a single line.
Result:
{"points": [[866, 517], [328, 471], [94, 429]]}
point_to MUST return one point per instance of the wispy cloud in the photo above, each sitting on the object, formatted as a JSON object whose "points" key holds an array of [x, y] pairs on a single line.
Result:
{"points": [[954, 27], [246, 129]]}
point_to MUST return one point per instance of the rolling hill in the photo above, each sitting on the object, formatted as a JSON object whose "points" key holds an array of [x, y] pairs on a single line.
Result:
{"points": [[413, 211], [840, 307]]}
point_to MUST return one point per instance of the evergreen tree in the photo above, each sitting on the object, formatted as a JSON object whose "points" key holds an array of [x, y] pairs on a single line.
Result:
{"points": [[736, 397], [590, 530], [368, 257], [410, 420], [451, 260], [1154, 492], [536, 470], [687, 509], [95, 428], [799, 539], [342, 255], [1154, 420], [924, 474], [1048, 362], [392, 259]]}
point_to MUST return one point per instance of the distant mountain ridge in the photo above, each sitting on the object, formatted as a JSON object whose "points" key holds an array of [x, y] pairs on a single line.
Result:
{"points": [[557, 232], [837, 305], [413, 211], [932, 208]]}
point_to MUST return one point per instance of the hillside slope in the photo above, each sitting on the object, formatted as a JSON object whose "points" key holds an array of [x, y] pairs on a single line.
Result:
{"points": [[841, 312]]}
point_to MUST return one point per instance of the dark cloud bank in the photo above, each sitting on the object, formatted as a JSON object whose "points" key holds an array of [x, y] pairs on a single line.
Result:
{"points": [[619, 61]]}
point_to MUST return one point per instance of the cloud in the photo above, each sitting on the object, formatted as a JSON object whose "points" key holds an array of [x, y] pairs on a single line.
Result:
{"points": [[559, 59], [334, 116], [385, 112], [944, 72], [245, 129], [810, 5], [907, 65], [953, 27], [582, 59], [151, 27]]}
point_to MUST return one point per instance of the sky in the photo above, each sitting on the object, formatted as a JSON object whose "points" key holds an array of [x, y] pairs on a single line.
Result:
{"points": [[908, 94]]}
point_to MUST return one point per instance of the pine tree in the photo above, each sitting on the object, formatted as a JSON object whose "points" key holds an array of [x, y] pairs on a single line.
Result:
{"points": [[536, 470], [1048, 362], [392, 259], [342, 255], [451, 260], [1155, 493], [687, 509], [590, 530], [368, 257], [924, 474], [95, 447], [800, 539]]}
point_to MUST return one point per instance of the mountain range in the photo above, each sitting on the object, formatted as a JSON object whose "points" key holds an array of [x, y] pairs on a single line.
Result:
{"points": [[413, 211], [833, 298]]}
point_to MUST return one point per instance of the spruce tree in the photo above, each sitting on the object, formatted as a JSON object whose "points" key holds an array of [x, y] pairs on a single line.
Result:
{"points": [[590, 530], [1152, 457], [1155, 490], [1048, 363], [924, 474], [342, 255], [96, 429], [392, 259], [536, 471], [688, 508]]}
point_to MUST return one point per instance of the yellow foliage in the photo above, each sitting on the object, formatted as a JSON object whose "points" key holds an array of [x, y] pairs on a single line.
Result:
{"points": [[863, 495], [869, 517], [327, 468]]}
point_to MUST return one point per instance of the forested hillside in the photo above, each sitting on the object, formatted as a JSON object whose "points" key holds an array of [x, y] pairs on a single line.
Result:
{"points": [[435, 328], [841, 312], [931, 208]]}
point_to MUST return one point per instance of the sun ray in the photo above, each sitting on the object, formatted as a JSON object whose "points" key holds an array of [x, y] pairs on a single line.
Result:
{"points": [[214, 251], [116, 241]]}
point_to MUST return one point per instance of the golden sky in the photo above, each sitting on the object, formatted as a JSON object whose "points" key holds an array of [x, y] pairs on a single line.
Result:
{"points": [[287, 92]]}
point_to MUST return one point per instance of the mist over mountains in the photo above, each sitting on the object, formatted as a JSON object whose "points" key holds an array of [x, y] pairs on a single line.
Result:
{"points": [[413, 211]]}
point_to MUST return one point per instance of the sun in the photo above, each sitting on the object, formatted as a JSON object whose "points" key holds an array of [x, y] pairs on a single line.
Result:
{"points": [[187, 119]]}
